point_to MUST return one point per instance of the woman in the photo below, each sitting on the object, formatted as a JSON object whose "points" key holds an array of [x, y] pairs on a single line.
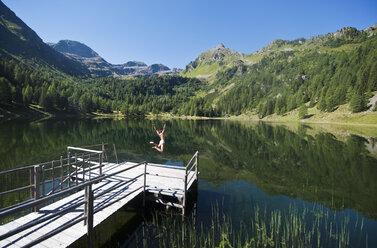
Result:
{"points": [[160, 133]]}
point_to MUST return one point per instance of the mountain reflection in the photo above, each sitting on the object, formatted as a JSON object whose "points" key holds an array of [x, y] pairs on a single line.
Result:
{"points": [[314, 166]]}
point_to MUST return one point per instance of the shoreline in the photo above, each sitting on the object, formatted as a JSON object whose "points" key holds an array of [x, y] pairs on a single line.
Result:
{"points": [[341, 117], [255, 118]]}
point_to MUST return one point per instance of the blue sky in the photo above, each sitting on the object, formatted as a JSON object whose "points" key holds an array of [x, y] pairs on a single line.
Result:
{"points": [[175, 32]]}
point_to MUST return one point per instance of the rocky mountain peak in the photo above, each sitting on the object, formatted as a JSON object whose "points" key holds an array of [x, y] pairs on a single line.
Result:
{"points": [[347, 32], [19, 41], [220, 47], [74, 47], [99, 67], [371, 30], [221, 55], [134, 63]]}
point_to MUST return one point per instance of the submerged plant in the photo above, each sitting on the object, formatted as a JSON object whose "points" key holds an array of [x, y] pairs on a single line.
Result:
{"points": [[293, 227]]}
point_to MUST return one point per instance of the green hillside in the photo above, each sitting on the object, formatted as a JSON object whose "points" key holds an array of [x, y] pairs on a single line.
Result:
{"points": [[211, 61], [323, 71], [22, 44]]}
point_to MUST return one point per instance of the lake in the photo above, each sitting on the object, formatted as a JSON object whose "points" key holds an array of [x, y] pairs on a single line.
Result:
{"points": [[325, 174]]}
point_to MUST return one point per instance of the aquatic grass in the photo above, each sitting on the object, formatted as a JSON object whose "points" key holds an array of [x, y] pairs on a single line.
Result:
{"points": [[292, 227]]}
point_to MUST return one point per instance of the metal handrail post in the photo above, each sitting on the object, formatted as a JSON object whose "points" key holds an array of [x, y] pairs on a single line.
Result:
{"points": [[145, 182], [184, 193], [61, 172], [83, 167], [43, 181], [76, 173], [52, 177], [197, 165], [100, 163], [31, 181], [68, 168], [36, 185], [90, 167]]}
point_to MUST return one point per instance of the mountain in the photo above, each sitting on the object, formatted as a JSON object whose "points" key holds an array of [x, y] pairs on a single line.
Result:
{"points": [[324, 71], [99, 67], [209, 62], [75, 48], [37, 80], [221, 58], [21, 43]]}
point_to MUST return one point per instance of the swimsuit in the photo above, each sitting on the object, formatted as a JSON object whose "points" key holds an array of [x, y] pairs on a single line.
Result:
{"points": [[161, 143]]}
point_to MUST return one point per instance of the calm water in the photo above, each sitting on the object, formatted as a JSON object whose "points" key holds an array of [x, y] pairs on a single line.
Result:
{"points": [[242, 164]]}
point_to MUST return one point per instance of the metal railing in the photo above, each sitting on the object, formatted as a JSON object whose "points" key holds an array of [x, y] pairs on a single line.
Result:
{"points": [[191, 172], [79, 162], [88, 213], [54, 176]]}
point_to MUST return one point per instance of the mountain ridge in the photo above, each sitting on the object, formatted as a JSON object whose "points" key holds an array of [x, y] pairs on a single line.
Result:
{"points": [[220, 58], [208, 62], [74, 47], [18, 41], [99, 67]]}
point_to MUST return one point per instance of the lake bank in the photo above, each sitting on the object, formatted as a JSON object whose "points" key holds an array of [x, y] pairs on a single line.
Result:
{"points": [[341, 116]]}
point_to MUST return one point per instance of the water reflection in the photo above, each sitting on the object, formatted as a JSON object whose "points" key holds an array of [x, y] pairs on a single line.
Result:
{"points": [[334, 169]]}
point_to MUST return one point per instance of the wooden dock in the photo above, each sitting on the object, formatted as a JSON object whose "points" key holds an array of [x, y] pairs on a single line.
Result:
{"points": [[98, 192]]}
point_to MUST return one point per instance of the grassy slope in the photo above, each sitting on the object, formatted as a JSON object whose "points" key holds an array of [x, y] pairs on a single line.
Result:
{"points": [[364, 123], [342, 115], [203, 71]]}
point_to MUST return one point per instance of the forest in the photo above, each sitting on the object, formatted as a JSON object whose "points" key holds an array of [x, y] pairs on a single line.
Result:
{"points": [[325, 75], [56, 91], [287, 80]]}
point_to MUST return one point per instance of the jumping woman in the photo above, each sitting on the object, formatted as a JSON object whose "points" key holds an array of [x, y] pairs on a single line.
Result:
{"points": [[160, 133]]}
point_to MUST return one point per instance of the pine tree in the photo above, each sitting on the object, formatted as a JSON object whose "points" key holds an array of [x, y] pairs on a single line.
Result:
{"points": [[357, 103], [5, 90], [322, 100], [27, 95], [303, 111]]}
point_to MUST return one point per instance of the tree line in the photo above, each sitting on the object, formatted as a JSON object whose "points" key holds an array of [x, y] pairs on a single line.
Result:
{"points": [[55, 91], [284, 81], [326, 76]]}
